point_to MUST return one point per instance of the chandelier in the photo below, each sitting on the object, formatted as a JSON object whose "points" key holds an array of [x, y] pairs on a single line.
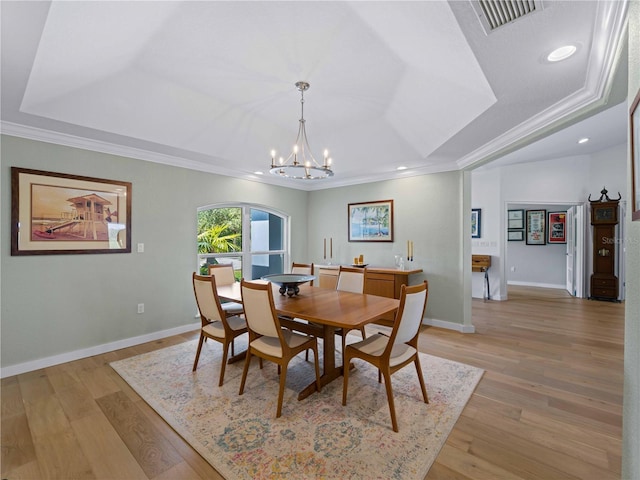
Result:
{"points": [[301, 163]]}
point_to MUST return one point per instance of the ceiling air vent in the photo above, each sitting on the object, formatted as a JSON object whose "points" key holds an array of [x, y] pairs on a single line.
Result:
{"points": [[496, 13]]}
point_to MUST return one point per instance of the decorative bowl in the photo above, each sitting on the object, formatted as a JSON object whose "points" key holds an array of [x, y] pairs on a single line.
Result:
{"points": [[289, 282]]}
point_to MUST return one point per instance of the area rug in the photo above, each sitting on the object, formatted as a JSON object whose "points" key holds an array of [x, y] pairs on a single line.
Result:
{"points": [[316, 438]]}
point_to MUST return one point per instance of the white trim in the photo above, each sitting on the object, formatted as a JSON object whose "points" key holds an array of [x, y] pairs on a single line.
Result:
{"points": [[458, 327], [535, 284], [91, 351]]}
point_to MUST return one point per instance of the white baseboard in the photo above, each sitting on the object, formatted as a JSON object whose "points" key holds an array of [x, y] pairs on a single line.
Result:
{"points": [[91, 351], [533, 284], [458, 327]]}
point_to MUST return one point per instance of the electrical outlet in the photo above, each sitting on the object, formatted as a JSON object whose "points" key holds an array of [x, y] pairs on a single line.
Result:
{"points": [[141, 308]]}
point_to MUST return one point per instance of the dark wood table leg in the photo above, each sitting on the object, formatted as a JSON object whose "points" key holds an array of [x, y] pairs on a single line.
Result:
{"points": [[329, 370]]}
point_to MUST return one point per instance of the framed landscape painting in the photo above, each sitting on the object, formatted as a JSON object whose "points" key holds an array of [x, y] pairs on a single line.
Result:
{"points": [[371, 221], [56, 213]]}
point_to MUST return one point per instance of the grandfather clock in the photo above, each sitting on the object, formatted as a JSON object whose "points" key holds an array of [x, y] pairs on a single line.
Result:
{"points": [[604, 218]]}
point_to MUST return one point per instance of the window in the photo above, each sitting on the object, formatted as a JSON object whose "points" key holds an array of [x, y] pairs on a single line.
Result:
{"points": [[251, 238]]}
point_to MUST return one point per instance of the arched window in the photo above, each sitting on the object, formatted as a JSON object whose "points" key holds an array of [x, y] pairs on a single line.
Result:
{"points": [[252, 238]]}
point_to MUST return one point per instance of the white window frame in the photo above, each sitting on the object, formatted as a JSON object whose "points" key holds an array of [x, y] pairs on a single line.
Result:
{"points": [[245, 254]]}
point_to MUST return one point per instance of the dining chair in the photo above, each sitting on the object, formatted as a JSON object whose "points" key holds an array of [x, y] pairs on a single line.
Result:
{"points": [[391, 353], [216, 324], [225, 276], [350, 279], [302, 269], [267, 339]]}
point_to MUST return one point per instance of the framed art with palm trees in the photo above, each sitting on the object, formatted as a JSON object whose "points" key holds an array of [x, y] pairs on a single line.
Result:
{"points": [[371, 221]]}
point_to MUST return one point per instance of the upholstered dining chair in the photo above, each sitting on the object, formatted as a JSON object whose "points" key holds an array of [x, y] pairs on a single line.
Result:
{"points": [[267, 339], [391, 353], [350, 279], [225, 276], [216, 324], [302, 269]]}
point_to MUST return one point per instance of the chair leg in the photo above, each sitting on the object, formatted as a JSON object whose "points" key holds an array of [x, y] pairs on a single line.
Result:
{"points": [[392, 408], [345, 376], [233, 347], [315, 359], [247, 361], [283, 381], [225, 353], [195, 364], [421, 380]]}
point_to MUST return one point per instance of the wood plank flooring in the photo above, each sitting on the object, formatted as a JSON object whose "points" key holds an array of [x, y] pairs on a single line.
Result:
{"points": [[548, 407]]}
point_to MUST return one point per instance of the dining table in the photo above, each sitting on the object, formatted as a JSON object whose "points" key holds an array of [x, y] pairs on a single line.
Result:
{"points": [[324, 310]]}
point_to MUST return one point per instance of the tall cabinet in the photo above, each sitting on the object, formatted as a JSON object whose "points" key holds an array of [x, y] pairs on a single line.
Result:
{"points": [[604, 218]]}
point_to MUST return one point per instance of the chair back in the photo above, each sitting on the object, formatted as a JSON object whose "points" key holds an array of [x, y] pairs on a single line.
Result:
{"points": [[223, 273], [351, 279], [302, 269], [413, 302], [259, 309], [204, 288]]}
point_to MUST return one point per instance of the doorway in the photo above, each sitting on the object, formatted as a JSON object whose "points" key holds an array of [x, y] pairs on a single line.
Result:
{"points": [[554, 261]]}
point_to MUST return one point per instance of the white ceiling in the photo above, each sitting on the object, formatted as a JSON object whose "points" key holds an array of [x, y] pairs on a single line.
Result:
{"points": [[209, 85]]}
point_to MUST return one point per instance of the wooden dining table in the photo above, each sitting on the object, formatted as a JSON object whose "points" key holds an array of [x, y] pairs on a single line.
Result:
{"points": [[326, 310]]}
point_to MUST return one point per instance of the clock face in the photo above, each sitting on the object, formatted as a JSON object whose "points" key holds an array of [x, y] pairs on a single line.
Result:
{"points": [[604, 213]]}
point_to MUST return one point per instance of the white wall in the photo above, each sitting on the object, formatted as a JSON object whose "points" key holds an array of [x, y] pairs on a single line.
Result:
{"points": [[631, 408], [551, 184]]}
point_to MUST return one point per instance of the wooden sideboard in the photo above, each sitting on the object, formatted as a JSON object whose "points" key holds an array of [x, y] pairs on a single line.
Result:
{"points": [[384, 282]]}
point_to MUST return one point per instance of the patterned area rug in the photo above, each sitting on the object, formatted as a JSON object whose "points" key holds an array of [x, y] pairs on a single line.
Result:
{"points": [[314, 438]]}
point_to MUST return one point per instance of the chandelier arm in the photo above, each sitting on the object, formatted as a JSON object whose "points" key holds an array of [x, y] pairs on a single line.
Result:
{"points": [[307, 168]]}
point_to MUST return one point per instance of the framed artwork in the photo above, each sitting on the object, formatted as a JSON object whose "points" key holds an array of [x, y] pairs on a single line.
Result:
{"points": [[371, 221], [56, 213], [557, 232], [634, 122], [476, 222], [536, 227], [515, 235], [515, 219]]}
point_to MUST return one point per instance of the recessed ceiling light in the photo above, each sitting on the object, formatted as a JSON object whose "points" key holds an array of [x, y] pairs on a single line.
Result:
{"points": [[401, 167], [258, 172], [583, 140], [562, 53]]}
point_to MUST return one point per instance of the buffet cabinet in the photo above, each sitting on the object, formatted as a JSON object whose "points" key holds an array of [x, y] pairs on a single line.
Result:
{"points": [[384, 282]]}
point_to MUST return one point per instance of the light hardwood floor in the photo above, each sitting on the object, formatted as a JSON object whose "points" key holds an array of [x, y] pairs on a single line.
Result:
{"points": [[548, 407]]}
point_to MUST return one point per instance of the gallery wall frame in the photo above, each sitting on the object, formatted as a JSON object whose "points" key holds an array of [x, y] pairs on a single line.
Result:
{"points": [[56, 213], [556, 227], [476, 223], [370, 221], [515, 235], [535, 233], [515, 219], [634, 135]]}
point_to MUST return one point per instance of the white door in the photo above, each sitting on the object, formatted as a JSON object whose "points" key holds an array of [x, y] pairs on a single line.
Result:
{"points": [[571, 250]]}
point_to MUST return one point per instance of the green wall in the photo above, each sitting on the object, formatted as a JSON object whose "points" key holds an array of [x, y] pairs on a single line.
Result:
{"points": [[56, 304], [57, 308], [428, 210]]}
